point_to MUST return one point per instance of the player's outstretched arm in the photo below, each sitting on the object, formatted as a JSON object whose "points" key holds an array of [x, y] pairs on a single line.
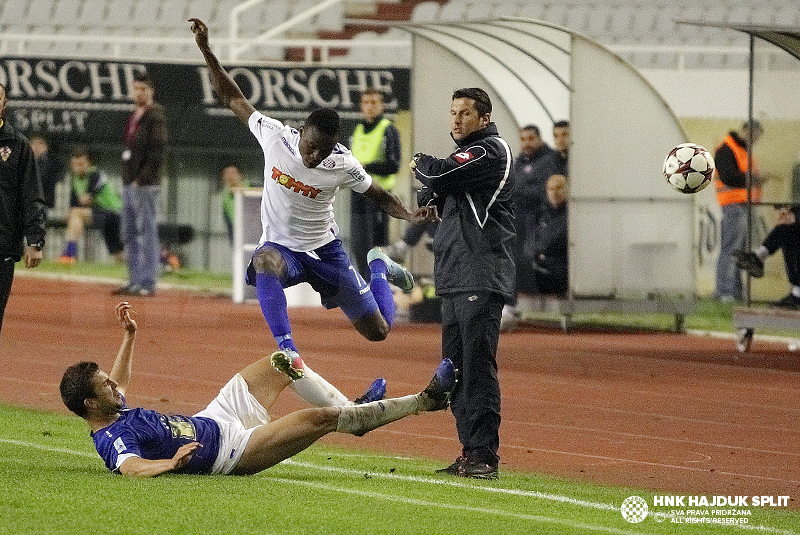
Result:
{"points": [[121, 372], [138, 467], [391, 204], [227, 90]]}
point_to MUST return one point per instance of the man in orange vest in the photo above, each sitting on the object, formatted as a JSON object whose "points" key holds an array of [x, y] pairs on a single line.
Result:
{"points": [[731, 182]]}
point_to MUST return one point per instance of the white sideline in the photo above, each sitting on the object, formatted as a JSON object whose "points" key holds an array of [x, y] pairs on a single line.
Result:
{"points": [[467, 484]]}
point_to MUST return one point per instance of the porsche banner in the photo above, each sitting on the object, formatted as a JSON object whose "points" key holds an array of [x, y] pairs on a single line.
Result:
{"points": [[88, 101]]}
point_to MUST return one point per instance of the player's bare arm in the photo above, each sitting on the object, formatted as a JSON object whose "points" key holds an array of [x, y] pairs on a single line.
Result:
{"points": [[391, 204], [121, 371], [227, 90], [138, 467]]}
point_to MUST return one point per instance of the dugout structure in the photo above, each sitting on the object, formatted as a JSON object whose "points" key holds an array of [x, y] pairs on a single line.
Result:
{"points": [[632, 238]]}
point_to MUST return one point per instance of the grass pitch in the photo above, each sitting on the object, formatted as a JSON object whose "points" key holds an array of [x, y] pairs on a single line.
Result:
{"points": [[53, 482]]}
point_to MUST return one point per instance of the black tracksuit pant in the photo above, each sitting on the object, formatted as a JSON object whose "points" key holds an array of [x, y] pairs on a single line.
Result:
{"points": [[470, 332]]}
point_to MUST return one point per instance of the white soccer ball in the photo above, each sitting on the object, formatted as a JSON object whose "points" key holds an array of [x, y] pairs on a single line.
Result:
{"points": [[689, 168]]}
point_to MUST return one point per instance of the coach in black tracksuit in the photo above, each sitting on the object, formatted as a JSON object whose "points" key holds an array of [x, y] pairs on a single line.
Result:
{"points": [[474, 269], [22, 212]]}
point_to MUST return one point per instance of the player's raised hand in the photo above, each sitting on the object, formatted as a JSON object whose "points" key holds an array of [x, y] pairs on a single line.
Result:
{"points": [[200, 31], [124, 317]]}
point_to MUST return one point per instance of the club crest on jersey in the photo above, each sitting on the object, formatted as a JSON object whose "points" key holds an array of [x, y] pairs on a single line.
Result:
{"points": [[5, 152], [295, 185], [328, 163], [462, 157]]}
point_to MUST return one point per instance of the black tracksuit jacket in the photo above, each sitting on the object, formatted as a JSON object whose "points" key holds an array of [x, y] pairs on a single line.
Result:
{"points": [[474, 245], [22, 212]]}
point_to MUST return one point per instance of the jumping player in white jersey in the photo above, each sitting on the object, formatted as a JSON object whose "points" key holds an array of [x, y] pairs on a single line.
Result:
{"points": [[234, 434], [303, 170]]}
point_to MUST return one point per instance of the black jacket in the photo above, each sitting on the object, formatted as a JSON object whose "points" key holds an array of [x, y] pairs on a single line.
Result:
{"points": [[474, 244], [22, 212], [146, 145]]}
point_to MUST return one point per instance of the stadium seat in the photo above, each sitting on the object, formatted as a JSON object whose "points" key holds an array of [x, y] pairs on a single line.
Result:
{"points": [[453, 11], [425, 12], [556, 13], [531, 10]]}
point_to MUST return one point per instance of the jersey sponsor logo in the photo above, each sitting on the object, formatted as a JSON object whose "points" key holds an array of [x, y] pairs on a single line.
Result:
{"points": [[462, 157], [294, 185], [180, 427], [358, 174], [288, 146], [119, 445]]}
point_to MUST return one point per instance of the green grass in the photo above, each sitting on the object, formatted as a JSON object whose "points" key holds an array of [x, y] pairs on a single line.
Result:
{"points": [[52, 482]]}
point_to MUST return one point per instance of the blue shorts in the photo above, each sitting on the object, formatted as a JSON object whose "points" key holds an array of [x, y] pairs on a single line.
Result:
{"points": [[329, 271]]}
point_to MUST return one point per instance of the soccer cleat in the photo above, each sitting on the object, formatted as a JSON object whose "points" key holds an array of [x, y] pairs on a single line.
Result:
{"points": [[789, 302], [396, 274], [288, 362], [453, 468], [749, 262], [436, 395], [375, 392], [477, 470]]}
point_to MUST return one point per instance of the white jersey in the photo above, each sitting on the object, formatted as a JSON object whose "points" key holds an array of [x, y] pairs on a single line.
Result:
{"points": [[297, 202]]}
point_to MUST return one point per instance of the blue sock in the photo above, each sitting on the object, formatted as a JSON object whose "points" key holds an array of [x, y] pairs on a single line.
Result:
{"points": [[273, 306], [381, 290], [71, 250]]}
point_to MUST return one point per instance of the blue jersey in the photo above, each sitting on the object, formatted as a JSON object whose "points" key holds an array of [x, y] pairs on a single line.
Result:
{"points": [[151, 435]]}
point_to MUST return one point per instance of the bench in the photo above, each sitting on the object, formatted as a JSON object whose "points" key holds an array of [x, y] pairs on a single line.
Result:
{"points": [[567, 307], [747, 319], [169, 235]]}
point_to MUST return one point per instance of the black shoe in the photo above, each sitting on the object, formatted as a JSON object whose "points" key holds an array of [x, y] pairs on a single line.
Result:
{"points": [[125, 290], [749, 262], [477, 470], [453, 468], [790, 302]]}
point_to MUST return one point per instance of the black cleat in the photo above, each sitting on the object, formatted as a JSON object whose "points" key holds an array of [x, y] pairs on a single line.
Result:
{"points": [[749, 262]]}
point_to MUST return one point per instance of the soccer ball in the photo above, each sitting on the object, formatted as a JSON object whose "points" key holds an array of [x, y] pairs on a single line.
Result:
{"points": [[689, 168]]}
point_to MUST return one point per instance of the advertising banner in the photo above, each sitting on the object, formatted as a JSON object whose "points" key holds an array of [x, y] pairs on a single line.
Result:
{"points": [[88, 101]]}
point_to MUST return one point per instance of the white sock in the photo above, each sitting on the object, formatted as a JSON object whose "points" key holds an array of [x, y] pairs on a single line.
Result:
{"points": [[762, 252], [358, 419], [796, 291], [317, 391]]}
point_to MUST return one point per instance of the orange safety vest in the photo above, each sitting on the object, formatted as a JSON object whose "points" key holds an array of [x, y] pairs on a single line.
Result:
{"points": [[728, 195]]}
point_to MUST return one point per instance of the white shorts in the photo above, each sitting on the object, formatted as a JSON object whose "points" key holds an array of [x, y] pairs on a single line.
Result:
{"points": [[238, 413]]}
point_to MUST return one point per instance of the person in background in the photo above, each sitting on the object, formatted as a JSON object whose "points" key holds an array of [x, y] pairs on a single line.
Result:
{"points": [[732, 164], [92, 199], [231, 178], [561, 143], [51, 168], [785, 235], [23, 215], [532, 171], [375, 143], [545, 254], [145, 139], [473, 269], [533, 166]]}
